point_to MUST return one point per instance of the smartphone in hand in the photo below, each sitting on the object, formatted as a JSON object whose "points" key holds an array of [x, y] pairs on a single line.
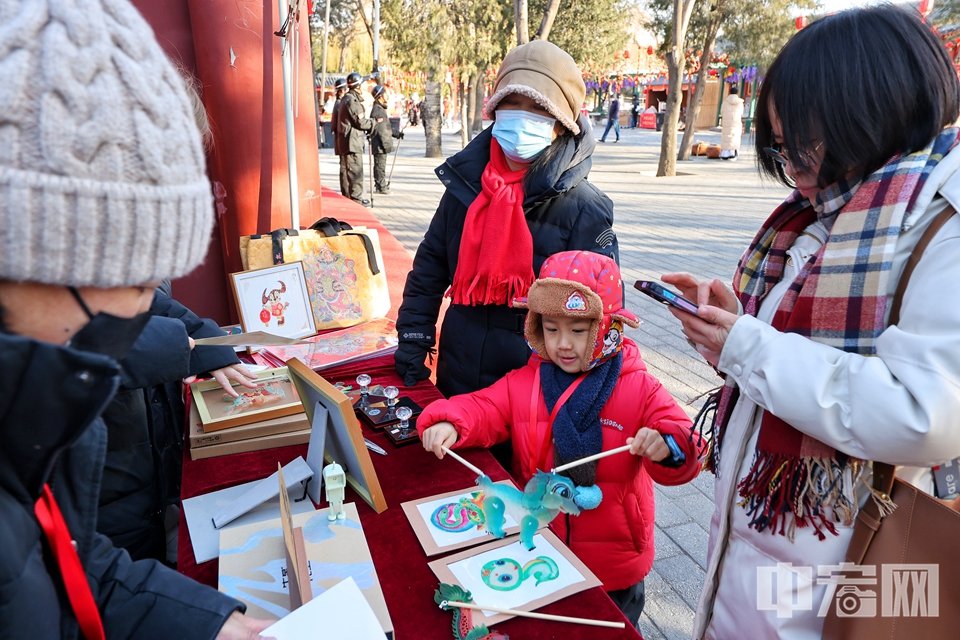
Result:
{"points": [[665, 296]]}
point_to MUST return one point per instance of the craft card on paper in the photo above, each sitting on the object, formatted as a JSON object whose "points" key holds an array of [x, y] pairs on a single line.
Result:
{"points": [[367, 340], [274, 300], [451, 521], [252, 563], [274, 396], [504, 574], [342, 441], [341, 612]]}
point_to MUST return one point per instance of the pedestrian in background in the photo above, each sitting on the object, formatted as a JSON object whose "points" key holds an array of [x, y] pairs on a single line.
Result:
{"points": [[351, 128], [732, 125], [381, 139], [635, 112], [613, 119]]}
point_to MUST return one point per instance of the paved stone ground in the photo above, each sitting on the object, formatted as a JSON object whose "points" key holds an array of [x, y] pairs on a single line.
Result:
{"points": [[698, 222]]}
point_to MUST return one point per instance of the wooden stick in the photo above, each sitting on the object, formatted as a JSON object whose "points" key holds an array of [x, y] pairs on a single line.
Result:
{"points": [[476, 470], [531, 614], [603, 454]]}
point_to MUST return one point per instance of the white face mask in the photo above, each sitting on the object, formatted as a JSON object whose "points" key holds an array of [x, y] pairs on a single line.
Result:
{"points": [[522, 135]]}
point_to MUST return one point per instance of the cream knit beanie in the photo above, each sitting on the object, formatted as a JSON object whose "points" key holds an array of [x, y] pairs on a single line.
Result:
{"points": [[543, 72], [102, 179]]}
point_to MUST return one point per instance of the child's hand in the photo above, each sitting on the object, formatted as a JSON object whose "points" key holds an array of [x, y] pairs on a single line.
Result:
{"points": [[649, 443], [442, 434]]}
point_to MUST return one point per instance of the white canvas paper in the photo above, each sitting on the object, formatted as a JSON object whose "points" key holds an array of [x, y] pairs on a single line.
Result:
{"points": [[339, 612], [199, 514], [444, 536], [293, 473], [468, 573]]}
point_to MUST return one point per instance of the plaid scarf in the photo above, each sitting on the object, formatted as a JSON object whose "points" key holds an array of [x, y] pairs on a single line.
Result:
{"points": [[839, 298]]}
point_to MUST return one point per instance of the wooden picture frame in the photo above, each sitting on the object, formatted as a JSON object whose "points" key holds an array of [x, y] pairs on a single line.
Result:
{"points": [[337, 434], [547, 544], [433, 539], [263, 306], [218, 410]]}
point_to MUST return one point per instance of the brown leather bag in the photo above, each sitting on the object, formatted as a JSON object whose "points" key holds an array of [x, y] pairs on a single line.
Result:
{"points": [[921, 530], [713, 150]]}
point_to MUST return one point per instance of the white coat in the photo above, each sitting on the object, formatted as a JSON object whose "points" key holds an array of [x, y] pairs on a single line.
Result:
{"points": [[901, 406], [731, 126]]}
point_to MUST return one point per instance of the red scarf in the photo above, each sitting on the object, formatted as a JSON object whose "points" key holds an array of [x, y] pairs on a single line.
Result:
{"points": [[495, 263]]}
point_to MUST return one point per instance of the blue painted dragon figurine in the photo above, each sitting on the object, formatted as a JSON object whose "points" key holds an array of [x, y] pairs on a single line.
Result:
{"points": [[543, 499]]}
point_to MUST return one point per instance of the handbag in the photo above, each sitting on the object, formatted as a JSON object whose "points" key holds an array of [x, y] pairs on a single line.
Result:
{"points": [[343, 269], [920, 600]]}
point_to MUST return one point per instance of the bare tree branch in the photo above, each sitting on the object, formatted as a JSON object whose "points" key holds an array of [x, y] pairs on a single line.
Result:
{"points": [[549, 15], [363, 16], [520, 18]]}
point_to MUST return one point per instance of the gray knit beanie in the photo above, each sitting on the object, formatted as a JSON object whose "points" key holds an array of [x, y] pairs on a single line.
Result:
{"points": [[102, 179]]}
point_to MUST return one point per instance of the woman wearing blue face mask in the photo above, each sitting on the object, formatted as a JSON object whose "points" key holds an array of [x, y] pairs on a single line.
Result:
{"points": [[515, 195]]}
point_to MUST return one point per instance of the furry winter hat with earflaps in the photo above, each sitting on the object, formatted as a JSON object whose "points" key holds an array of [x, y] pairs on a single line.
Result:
{"points": [[102, 172], [543, 72], [579, 284]]}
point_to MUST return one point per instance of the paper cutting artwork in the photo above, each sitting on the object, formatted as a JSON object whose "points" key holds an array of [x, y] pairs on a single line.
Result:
{"points": [[266, 394], [506, 574], [452, 520], [273, 305], [368, 340], [253, 567], [263, 394], [332, 283]]}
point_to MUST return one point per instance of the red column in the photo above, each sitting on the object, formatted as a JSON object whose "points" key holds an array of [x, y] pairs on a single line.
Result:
{"points": [[230, 47]]}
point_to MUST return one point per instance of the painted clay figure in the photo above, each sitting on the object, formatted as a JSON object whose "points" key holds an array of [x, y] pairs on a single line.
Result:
{"points": [[543, 499], [463, 628], [334, 485], [506, 574], [272, 306]]}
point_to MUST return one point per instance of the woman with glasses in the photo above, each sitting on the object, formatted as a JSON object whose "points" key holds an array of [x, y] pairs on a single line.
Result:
{"points": [[819, 379]]}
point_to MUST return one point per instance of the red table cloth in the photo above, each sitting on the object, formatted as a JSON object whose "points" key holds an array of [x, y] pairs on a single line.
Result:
{"points": [[405, 473]]}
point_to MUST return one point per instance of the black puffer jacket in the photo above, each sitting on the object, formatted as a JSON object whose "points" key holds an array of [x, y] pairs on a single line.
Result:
{"points": [[478, 345], [144, 422], [50, 432]]}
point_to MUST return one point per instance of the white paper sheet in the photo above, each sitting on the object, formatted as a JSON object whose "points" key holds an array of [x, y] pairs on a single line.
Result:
{"points": [[340, 612]]}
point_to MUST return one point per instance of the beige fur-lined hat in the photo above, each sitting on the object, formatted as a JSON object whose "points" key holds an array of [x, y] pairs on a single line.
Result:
{"points": [[546, 73]]}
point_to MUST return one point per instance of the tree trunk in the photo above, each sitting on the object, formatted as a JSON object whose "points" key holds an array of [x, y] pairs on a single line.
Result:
{"points": [[465, 101], [520, 18], [693, 107], [682, 9], [549, 14], [470, 106], [476, 123], [668, 143], [431, 116]]}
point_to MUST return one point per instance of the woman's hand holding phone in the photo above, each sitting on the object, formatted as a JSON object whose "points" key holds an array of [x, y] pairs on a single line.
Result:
{"points": [[716, 315]]}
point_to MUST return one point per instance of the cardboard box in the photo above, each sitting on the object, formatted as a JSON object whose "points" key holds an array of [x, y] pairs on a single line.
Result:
{"points": [[273, 426], [252, 444]]}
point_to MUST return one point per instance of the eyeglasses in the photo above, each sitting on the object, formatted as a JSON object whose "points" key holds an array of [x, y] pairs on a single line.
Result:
{"points": [[778, 155]]}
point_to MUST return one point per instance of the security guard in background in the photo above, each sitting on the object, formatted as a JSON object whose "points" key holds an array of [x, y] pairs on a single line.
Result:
{"points": [[339, 88], [349, 139], [381, 139]]}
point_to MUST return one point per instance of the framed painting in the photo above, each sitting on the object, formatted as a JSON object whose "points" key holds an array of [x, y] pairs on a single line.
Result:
{"points": [[451, 521], [274, 300], [274, 396], [335, 436], [504, 574]]}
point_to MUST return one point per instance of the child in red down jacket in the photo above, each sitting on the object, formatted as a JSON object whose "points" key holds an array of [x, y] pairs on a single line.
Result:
{"points": [[575, 328]]}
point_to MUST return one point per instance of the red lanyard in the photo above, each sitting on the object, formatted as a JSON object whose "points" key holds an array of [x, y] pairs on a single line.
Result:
{"points": [[74, 578], [538, 459]]}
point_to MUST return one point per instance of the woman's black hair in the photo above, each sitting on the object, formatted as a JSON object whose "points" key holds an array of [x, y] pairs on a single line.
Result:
{"points": [[541, 164], [866, 83]]}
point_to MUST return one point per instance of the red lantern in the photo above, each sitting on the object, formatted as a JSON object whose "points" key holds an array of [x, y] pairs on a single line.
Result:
{"points": [[264, 316], [801, 22], [926, 6], [626, 54], [650, 50]]}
